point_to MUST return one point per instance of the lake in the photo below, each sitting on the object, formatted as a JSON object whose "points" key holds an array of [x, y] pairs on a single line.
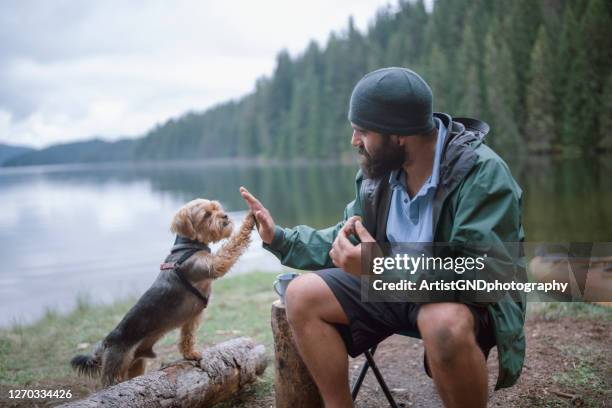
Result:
{"points": [[99, 232]]}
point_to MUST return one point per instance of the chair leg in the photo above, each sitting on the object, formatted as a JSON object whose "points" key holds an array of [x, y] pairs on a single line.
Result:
{"points": [[362, 373], [381, 380]]}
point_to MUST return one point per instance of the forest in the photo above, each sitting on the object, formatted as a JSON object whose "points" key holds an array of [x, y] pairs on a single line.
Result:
{"points": [[539, 72]]}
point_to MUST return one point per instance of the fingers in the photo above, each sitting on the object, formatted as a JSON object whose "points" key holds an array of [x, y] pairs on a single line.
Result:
{"points": [[363, 233], [263, 219], [349, 226], [340, 248], [345, 255], [251, 201], [342, 242]]}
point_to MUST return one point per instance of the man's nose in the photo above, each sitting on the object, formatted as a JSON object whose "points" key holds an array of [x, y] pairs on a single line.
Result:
{"points": [[356, 139]]}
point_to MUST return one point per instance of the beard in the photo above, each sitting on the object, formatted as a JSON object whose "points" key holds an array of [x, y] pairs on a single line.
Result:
{"points": [[387, 158]]}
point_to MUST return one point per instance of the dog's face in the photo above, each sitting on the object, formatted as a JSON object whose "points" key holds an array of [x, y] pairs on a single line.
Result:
{"points": [[202, 220]]}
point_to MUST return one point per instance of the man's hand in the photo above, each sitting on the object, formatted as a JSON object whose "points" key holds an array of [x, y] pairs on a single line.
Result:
{"points": [[344, 254], [265, 223]]}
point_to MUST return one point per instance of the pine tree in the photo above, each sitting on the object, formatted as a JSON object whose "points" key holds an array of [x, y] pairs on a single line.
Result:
{"points": [[437, 78], [471, 101], [539, 132], [563, 60], [470, 95], [296, 120], [605, 116], [312, 132], [581, 95], [262, 122], [396, 51], [596, 31], [524, 66], [501, 96], [337, 86], [415, 30], [520, 30]]}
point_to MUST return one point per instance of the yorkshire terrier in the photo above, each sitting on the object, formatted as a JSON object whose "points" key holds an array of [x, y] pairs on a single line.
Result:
{"points": [[177, 298]]}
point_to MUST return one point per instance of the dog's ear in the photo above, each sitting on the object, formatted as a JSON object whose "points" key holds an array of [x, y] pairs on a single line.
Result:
{"points": [[182, 224]]}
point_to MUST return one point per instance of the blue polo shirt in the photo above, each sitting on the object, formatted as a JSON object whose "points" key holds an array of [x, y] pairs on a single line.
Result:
{"points": [[410, 220]]}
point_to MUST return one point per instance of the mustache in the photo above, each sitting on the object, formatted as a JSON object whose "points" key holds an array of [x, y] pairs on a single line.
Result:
{"points": [[381, 162]]}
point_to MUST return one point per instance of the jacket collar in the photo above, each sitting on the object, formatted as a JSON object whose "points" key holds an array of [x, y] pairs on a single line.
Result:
{"points": [[458, 158]]}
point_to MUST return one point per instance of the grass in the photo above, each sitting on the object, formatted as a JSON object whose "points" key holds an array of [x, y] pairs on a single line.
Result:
{"points": [[39, 353], [578, 310], [588, 374], [240, 306], [588, 377]]}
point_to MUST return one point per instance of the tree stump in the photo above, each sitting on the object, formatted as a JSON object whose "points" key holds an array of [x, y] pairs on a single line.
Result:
{"points": [[224, 369], [294, 387]]}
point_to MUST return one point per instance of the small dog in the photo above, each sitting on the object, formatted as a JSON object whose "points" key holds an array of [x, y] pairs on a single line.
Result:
{"points": [[177, 297]]}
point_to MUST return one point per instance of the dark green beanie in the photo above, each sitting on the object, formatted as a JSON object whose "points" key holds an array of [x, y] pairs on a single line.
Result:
{"points": [[394, 101]]}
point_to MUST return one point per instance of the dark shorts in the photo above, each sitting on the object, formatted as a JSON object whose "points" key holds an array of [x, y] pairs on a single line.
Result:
{"points": [[372, 322]]}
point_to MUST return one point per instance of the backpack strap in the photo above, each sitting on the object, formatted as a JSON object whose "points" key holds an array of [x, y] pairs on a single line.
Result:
{"points": [[375, 197]]}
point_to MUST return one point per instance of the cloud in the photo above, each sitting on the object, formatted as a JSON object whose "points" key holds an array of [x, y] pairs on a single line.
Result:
{"points": [[74, 69]]}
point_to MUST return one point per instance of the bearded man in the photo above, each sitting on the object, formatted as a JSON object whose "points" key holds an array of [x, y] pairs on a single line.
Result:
{"points": [[425, 177]]}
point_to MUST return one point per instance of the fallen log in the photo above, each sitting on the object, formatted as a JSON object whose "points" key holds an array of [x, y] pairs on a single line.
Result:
{"points": [[224, 369]]}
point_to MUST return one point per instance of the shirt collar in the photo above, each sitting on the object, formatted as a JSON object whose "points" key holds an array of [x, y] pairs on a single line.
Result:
{"points": [[397, 179]]}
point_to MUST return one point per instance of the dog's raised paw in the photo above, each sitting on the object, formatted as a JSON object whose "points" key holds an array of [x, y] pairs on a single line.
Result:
{"points": [[249, 221]]}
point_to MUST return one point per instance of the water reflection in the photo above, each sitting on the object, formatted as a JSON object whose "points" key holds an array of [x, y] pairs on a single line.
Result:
{"points": [[102, 230], [567, 200]]}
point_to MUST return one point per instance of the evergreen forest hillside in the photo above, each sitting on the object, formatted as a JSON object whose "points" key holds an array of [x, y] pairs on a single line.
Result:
{"points": [[538, 71]]}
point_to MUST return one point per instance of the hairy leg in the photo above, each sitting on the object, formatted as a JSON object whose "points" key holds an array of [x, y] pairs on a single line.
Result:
{"points": [[115, 363], [457, 364], [187, 341], [137, 368], [312, 310]]}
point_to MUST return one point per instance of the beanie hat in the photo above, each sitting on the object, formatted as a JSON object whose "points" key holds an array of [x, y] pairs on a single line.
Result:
{"points": [[392, 101]]}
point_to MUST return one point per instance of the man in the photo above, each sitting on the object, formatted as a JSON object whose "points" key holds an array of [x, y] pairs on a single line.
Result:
{"points": [[423, 178]]}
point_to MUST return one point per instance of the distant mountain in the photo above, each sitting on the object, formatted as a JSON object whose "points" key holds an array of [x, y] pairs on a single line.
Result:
{"points": [[90, 151], [8, 152]]}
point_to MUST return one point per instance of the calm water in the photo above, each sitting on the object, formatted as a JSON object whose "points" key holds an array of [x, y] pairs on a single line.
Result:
{"points": [[101, 231]]}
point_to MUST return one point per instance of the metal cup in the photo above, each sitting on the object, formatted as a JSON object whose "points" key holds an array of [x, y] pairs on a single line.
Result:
{"points": [[282, 282]]}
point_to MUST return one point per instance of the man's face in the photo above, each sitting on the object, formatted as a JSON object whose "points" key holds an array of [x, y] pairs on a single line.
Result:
{"points": [[380, 154]]}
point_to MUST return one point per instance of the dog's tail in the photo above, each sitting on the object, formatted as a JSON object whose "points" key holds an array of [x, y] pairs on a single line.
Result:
{"points": [[88, 364]]}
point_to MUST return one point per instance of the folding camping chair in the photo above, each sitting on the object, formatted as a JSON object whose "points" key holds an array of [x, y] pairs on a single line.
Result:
{"points": [[369, 355]]}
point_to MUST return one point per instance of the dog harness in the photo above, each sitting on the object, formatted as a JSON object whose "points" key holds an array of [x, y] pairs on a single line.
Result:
{"points": [[186, 247]]}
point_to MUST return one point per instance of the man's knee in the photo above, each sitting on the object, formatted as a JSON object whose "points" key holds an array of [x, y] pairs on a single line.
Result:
{"points": [[447, 330], [300, 297], [309, 297]]}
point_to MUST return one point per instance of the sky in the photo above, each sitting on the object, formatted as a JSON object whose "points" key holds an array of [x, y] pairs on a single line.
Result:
{"points": [[71, 69]]}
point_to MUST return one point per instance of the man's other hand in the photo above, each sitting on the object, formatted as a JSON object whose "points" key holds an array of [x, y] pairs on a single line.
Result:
{"points": [[344, 254], [265, 223]]}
